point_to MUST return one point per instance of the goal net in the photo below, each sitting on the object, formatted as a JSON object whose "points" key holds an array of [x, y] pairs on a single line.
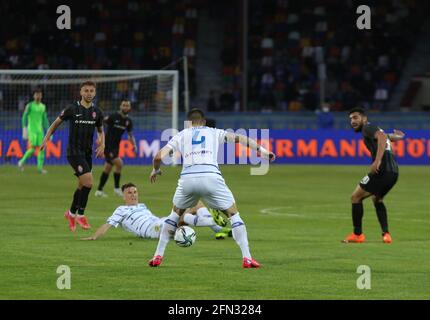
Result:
{"points": [[153, 96]]}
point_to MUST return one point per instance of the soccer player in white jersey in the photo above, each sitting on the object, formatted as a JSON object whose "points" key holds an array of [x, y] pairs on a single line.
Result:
{"points": [[136, 218], [202, 179]]}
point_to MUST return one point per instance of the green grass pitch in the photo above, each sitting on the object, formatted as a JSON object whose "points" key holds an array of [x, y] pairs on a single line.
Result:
{"points": [[295, 217]]}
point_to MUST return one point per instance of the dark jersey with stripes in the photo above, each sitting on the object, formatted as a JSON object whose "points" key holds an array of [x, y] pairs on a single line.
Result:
{"points": [[388, 162], [82, 122], [116, 125]]}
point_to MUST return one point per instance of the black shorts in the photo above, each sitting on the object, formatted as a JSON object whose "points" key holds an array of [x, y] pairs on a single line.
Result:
{"points": [[379, 184], [111, 155], [81, 164]]}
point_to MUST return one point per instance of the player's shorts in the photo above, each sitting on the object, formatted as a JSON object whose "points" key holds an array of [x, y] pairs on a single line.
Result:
{"points": [[379, 184], [110, 155], [152, 231], [211, 189], [35, 139], [81, 164]]}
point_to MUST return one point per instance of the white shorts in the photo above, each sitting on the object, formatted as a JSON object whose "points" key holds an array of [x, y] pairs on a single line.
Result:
{"points": [[154, 229], [211, 189]]}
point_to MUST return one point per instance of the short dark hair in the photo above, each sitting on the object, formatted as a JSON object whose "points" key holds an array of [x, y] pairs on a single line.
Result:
{"points": [[37, 90], [195, 115], [88, 83], [127, 185], [359, 110]]}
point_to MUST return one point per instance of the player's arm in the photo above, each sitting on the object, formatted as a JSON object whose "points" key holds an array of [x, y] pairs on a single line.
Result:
{"points": [[24, 122], [130, 135], [156, 162], [132, 140], [250, 143], [50, 132], [100, 232], [100, 142], [382, 143], [396, 135]]}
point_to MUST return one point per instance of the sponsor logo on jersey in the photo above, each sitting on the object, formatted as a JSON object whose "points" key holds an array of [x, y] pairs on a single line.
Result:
{"points": [[85, 122]]}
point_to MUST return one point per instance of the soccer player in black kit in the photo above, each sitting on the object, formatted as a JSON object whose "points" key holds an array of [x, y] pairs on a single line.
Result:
{"points": [[382, 177], [83, 117], [117, 124]]}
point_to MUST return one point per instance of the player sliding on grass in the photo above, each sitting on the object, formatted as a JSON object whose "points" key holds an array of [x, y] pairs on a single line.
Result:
{"points": [[201, 178], [116, 123], [34, 120], [382, 177], [83, 117], [136, 218]]}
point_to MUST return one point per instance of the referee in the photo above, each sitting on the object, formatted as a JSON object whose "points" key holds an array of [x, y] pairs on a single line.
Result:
{"points": [[83, 117]]}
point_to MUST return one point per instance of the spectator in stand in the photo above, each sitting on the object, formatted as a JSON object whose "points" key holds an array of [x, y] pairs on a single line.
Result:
{"points": [[227, 101]]}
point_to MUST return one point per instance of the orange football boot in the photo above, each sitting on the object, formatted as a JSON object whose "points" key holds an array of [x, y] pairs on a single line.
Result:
{"points": [[82, 221], [353, 238], [386, 237], [71, 220]]}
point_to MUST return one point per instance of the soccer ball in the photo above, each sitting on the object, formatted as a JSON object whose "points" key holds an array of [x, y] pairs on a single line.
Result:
{"points": [[185, 236]]}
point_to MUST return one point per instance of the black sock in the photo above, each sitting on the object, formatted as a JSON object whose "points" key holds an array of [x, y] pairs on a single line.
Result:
{"points": [[116, 177], [83, 200], [357, 217], [75, 202], [381, 212], [104, 177]]}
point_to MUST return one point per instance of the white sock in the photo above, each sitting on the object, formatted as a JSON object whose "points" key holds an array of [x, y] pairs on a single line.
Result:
{"points": [[240, 235], [204, 212], [169, 227], [198, 220], [216, 228]]}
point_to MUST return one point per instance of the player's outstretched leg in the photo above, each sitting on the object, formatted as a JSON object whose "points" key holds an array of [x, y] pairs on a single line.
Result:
{"points": [[103, 179], [381, 212], [240, 235], [70, 215], [27, 155], [200, 216], [40, 161], [117, 176], [87, 182], [357, 198], [167, 231]]}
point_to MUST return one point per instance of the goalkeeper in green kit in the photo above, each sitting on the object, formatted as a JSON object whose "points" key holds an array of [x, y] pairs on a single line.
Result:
{"points": [[34, 121]]}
